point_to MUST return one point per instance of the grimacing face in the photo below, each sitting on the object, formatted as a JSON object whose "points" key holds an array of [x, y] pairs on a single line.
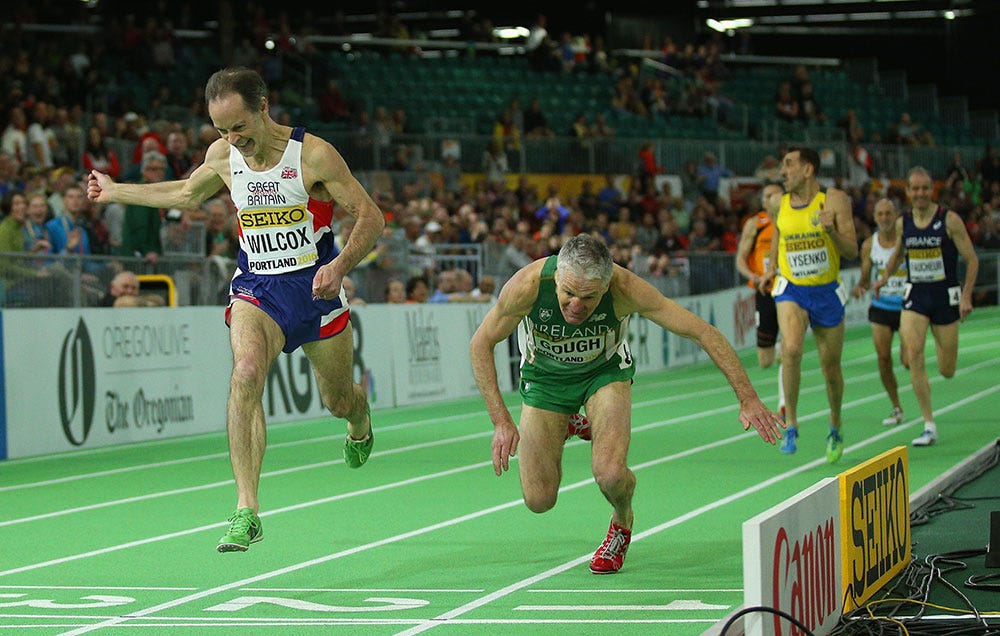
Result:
{"points": [[237, 124], [578, 296]]}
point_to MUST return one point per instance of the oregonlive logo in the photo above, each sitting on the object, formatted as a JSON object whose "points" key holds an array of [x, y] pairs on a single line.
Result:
{"points": [[77, 384]]}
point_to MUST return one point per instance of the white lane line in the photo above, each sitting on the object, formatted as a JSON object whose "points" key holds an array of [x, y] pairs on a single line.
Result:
{"points": [[698, 590], [128, 588], [673, 606], [220, 455], [229, 482], [181, 533], [362, 590], [298, 566], [184, 622]]}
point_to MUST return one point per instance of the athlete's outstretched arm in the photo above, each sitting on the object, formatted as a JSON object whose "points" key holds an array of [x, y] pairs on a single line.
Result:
{"points": [[203, 182], [634, 295]]}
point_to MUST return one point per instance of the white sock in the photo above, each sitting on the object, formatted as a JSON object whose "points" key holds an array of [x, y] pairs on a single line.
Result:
{"points": [[930, 426], [781, 389]]}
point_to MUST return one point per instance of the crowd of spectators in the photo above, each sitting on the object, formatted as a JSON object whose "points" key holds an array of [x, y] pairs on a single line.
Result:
{"points": [[796, 100], [49, 142]]}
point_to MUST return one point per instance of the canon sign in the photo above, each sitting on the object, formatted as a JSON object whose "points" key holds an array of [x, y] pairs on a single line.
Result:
{"points": [[805, 577]]}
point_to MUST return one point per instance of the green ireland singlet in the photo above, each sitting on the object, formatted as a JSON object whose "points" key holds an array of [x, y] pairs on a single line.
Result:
{"points": [[562, 364]]}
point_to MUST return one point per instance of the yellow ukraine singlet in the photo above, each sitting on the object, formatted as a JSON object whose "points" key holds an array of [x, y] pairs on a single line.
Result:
{"points": [[806, 254]]}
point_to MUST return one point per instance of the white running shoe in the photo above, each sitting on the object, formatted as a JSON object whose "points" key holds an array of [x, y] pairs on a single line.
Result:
{"points": [[896, 417], [928, 437]]}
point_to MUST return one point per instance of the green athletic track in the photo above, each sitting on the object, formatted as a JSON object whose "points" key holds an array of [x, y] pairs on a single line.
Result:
{"points": [[425, 538]]}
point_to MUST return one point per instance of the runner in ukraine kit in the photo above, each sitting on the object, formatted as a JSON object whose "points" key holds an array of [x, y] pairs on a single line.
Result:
{"points": [[284, 236], [809, 263], [808, 260], [562, 365]]}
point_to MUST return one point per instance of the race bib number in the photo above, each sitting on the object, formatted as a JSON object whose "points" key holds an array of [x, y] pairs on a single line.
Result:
{"points": [[907, 287], [806, 263], [954, 296], [894, 286], [926, 265], [842, 293], [778, 288]]}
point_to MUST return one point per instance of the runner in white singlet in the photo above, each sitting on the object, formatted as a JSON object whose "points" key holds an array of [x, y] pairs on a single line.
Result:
{"points": [[283, 182]]}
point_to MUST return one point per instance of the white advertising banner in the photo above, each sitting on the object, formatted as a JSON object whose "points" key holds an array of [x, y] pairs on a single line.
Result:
{"points": [[431, 345], [77, 378], [791, 562]]}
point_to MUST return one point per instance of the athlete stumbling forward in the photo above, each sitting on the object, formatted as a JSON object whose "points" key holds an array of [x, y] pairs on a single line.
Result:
{"points": [[287, 290], [572, 312]]}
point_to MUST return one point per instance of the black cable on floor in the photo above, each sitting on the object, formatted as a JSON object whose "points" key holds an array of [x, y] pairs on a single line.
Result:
{"points": [[770, 610]]}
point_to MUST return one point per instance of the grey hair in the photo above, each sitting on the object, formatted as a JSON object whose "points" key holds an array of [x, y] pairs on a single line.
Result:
{"points": [[919, 170], [152, 155], [587, 257], [891, 203]]}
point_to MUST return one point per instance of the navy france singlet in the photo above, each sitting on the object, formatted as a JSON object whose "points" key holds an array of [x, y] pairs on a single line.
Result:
{"points": [[931, 255]]}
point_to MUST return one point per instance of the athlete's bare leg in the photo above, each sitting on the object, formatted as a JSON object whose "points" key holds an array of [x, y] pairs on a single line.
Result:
{"points": [[946, 345], [256, 342], [333, 364], [539, 452], [882, 338], [793, 322], [610, 413], [913, 332], [830, 344]]}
